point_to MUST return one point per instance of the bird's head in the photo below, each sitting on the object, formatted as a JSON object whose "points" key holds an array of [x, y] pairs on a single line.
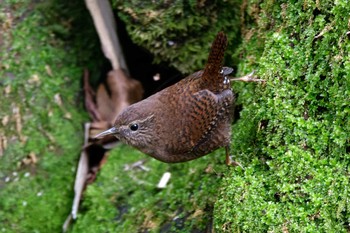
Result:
{"points": [[133, 127]]}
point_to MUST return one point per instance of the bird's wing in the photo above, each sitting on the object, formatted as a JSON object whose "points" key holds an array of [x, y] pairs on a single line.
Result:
{"points": [[201, 116]]}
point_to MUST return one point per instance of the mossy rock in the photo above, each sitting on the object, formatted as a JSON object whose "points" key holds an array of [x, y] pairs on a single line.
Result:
{"points": [[180, 32], [296, 177]]}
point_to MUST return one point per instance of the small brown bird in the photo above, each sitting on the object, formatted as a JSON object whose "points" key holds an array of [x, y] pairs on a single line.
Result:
{"points": [[186, 120]]}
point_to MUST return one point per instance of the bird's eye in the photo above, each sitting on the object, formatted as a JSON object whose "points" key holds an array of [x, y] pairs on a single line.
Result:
{"points": [[134, 127]]}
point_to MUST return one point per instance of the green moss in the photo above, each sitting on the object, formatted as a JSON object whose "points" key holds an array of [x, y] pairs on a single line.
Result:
{"points": [[292, 136], [130, 200], [296, 179], [179, 32], [40, 84]]}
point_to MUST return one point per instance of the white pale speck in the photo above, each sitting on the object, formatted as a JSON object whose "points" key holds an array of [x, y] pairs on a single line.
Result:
{"points": [[156, 77], [226, 80], [171, 43], [164, 180]]}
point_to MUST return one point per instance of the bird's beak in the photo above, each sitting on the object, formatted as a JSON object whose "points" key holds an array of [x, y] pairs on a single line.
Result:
{"points": [[110, 131]]}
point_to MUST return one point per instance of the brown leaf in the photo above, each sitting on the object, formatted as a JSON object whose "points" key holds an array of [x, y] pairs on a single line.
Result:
{"points": [[5, 120], [30, 159], [7, 90], [58, 99], [48, 70], [34, 79], [3, 144], [120, 92], [18, 119], [90, 105], [99, 125], [112, 97]]}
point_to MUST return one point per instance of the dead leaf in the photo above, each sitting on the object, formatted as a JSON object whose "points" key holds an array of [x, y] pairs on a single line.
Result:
{"points": [[34, 79], [3, 144], [8, 22], [120, 92], [326, 29], [196, 214], [48, 70], [30, 159], [17, 116], [7, 90], [5, 120], [58, 99], [209, 169], [148, 223], [98, 127], [90, 105], [111, 99], [18, 120], [68, 115], [285, 228], [33, 157], [50, 113], [47, 134]]}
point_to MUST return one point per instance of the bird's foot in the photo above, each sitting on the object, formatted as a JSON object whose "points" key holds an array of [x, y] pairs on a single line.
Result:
{"points": [[231, 162], [248, 78]]}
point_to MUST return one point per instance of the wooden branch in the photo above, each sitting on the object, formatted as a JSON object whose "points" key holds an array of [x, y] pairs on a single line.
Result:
{"points": [[104, 21]]}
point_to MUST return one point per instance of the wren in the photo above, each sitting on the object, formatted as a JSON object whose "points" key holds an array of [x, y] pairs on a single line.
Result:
{"points": [[186, 120]]}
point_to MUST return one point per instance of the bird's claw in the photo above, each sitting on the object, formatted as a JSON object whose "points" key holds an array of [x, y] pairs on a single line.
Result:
{"points": [[231, 162], [248, 78]]}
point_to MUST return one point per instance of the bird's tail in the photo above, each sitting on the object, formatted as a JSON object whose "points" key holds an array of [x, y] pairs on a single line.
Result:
{"points": [[211, 75]]}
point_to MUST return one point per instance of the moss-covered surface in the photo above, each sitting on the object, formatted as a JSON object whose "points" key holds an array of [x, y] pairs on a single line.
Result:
{"points": [[292, 136], [180, 32], [41, 128], [297, 165], [129, 201]]}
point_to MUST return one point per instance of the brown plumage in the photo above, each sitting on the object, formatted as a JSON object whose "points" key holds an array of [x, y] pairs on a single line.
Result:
{"points": [[186, 120]]}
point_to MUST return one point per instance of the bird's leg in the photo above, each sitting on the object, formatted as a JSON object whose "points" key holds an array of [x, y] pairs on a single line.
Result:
{"points": [[247, 78], [229, 160]]}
